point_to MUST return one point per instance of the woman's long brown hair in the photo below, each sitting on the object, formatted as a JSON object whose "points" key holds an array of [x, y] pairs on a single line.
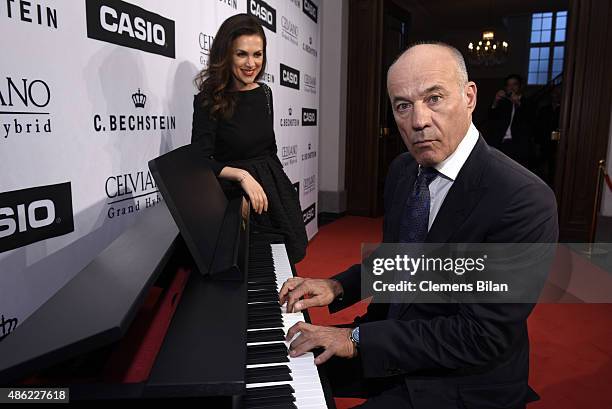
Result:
{"points": [[215, 81]]}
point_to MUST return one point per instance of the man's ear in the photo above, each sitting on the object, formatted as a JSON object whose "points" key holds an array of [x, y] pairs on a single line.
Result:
{"points": [[470, 94]]}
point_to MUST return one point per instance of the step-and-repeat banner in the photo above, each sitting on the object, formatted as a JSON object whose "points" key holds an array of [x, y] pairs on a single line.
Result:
{"points": [[90, 91]]}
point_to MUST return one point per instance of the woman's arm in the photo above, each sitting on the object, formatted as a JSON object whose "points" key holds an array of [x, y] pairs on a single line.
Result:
{"points": [[251, 187], [203, 134]]}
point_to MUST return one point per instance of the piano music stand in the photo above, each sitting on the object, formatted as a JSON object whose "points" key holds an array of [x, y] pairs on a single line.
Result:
{"points": [[213, 237]]}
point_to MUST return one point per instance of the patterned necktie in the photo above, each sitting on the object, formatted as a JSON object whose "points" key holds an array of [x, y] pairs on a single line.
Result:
{"points": [[415, 219]]}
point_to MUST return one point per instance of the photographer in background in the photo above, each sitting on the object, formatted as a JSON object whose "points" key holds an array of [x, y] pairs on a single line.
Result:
{"points": [[511, 120]]}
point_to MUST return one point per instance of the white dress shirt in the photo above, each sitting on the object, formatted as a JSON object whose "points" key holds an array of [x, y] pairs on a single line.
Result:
{"points": [[449, 169], [508, 134]]}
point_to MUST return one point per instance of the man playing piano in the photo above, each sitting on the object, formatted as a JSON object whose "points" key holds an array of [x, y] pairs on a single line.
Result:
{"points": [[450, 187]]}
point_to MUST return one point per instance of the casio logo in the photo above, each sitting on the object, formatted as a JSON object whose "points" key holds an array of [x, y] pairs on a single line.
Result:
{"points": [[35, 214]]}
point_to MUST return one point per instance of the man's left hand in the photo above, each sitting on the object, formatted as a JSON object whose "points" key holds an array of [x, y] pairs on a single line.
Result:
{"points": [[336, 341]]}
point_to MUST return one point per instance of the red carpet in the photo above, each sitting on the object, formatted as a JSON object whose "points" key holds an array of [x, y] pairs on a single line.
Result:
{"points": [[571, 344]]}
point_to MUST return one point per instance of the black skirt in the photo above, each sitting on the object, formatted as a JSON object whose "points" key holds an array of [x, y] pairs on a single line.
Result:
{"points": [[284, 215]]}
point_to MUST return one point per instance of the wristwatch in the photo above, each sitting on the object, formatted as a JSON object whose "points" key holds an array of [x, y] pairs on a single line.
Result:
{"points": [[355, 336]]}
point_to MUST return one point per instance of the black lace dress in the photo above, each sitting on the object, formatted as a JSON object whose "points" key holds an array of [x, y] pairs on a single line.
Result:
{"points": [[247, 141]]}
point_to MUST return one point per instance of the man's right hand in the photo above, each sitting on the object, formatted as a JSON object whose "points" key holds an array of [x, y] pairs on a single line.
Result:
{"points": [[321, 292]]}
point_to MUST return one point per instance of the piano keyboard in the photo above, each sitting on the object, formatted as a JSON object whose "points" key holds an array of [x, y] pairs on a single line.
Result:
{"points": [[274, 379]]}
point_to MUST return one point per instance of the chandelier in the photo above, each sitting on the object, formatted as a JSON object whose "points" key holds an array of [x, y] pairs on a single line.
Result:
{"points": [[488, 51]]}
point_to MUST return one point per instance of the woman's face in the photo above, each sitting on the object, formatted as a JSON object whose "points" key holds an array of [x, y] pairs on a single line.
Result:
{"points": [[247, 59]]}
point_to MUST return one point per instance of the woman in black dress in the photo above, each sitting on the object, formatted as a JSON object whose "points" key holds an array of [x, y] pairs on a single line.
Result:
{"points": [[233, 126]]}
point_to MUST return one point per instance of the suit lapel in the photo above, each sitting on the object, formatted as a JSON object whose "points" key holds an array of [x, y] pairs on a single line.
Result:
{"points": [[462, 197], [403, 189]]}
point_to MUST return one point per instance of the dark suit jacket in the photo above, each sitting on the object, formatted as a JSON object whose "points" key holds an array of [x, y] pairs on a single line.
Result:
{"points": [[475, 353], [522, 127]]}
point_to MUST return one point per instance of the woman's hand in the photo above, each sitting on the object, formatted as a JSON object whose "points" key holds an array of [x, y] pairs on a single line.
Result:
{"points": [[255, 192], [251, 187]]}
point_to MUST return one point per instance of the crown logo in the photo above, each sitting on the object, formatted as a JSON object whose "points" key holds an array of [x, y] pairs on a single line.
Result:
{"points": [[139, 99]]}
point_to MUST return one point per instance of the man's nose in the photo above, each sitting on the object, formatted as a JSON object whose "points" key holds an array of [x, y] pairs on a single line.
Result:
{"points": [[420, 117]]}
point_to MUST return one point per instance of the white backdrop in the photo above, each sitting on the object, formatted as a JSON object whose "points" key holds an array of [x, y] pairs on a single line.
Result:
{"points": [[89, 94]]}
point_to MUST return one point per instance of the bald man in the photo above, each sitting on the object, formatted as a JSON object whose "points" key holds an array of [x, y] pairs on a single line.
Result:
{"points": [[451, 187]]}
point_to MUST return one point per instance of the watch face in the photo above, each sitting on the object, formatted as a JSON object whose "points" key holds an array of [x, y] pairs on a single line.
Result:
{"points": [[356, 334]]}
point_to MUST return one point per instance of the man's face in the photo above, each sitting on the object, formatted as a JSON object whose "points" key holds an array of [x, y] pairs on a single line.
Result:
{"points": [[432, 111], [513, 86]]}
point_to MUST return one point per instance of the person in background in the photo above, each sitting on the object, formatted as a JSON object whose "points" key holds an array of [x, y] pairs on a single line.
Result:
{"points": [[511, 121], [233, 126]]}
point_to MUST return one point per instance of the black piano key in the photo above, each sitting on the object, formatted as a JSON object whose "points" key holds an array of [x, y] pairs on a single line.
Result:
{"points": [[252, 304], [275, 406], [271, 352], [261, 296], [272, 293], [256, 275], [259, 241], [269, 391], [258, 266], [267, 312], [266, 320], [277, 369], [260, 244], [267, 302], [260, 325], [260, 292], [261, 272], [260, 286], [255, 291], [269, 358], [263, 258], [265, 348], [266, 335], [269, 323], [264, 314], [262, 280], [255, 266], [264, 306], [277, 373], [259, 314], [271, 403], [259, 278]]}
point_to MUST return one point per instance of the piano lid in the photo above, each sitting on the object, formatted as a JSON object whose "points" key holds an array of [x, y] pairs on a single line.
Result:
{"points": [[209, 223]]}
